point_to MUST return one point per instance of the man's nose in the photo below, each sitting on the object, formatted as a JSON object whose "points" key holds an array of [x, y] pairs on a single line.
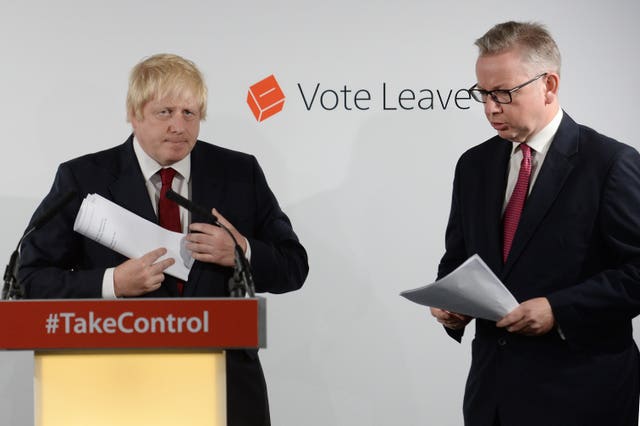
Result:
{"points": [[177, 124], [491, 106]]}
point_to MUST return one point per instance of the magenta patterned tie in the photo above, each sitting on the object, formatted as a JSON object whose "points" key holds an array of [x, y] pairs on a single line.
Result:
{"points": [[516, 202]]}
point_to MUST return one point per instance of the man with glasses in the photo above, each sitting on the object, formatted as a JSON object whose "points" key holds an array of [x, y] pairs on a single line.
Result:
{"points": [[553, 208]]}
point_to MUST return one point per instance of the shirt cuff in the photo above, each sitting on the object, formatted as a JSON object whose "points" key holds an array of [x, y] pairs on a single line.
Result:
{"points": [[247, 253], [108, 286]]}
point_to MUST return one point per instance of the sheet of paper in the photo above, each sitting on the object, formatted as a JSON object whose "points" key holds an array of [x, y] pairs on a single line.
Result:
{"points": [[129, 234], [472, 289]]}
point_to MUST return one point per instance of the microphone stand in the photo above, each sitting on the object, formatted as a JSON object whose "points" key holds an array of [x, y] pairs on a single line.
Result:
{"points": [[241, 282], [11, 289]]}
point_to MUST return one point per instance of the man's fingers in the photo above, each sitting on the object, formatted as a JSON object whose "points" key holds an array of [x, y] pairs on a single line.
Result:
{"points": [[438, 313], [450, 320], [531, 317], [221, 218], [524, 325], [459, 317], [151, 257], [159, 267], [150, 260], [201, 239], [517, 326], [204, 228], [510, 319]]}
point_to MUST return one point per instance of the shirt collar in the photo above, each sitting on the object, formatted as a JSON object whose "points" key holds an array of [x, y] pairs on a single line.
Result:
{"points": [[540, 141], [150, 167]]}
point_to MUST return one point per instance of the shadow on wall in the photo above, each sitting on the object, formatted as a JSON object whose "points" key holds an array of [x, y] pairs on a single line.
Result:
{"points": [[354, 341], [298, 382], [333, 346]]}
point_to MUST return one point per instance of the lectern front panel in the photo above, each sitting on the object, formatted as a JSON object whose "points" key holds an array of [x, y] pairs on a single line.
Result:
{"points": [[130, 388]]}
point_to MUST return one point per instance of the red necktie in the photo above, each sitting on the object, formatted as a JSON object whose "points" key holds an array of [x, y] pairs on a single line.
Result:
{"points": [[168, 211], [516, 202]]}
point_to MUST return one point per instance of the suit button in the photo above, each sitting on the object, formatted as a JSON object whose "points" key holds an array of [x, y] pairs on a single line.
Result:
{"points": [[502, 341]]}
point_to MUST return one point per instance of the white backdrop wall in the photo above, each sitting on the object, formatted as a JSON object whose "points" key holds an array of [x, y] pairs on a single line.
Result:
{"points": [[368, 191]]}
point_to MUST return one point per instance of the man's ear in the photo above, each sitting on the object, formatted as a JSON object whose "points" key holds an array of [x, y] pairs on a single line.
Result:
{"points": [[552, 85]]}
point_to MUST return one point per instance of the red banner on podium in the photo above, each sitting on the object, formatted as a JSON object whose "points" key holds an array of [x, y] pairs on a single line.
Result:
{"points": [[133, 323]]}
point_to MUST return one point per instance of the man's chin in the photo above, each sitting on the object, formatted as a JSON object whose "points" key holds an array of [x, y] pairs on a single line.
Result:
{"points": [[509, 135], [504, 134], [173, 157]]}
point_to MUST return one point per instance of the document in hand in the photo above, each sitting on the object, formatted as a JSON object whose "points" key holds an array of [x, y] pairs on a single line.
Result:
{"points": [[471, 289], [129, 234]]}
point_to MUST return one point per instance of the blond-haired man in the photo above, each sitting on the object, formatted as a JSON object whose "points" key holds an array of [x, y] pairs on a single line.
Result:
{"points": [[166, 101]]}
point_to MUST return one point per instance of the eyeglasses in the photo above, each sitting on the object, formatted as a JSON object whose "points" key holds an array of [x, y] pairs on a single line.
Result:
{"points": [[499, 96]]}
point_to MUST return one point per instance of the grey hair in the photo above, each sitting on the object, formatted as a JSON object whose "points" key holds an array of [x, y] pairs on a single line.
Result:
{"points": [[538, 48]]}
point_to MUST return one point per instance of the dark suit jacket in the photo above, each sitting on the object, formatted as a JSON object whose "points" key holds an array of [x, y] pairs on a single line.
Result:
{"points": [[577, 244], [59, 263]]}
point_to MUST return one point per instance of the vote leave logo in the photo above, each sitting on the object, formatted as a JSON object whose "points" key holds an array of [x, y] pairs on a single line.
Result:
{"points": [[265, 98]]}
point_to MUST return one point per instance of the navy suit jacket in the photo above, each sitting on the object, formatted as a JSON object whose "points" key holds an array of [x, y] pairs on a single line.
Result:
{"points": [[56, 262], [578, 245]]}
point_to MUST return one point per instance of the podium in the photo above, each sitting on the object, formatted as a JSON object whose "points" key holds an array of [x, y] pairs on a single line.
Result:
{"points": [[125, 362]]}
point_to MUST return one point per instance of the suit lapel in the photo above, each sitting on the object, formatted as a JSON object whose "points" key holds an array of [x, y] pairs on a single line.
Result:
{"points": [[129, 189], [207, 175], [556, 168], [494, 199]]}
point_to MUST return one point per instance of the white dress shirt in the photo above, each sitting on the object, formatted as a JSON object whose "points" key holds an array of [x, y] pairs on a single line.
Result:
{"points": [[181, 184], [539, 145]]}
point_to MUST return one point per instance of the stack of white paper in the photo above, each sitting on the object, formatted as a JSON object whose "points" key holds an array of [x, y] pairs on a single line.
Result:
{"points": [[130, 235], [472, 289]]}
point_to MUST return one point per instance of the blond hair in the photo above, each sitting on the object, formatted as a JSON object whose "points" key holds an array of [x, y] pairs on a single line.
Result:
{"points": [[538, 48], [164, 75]]}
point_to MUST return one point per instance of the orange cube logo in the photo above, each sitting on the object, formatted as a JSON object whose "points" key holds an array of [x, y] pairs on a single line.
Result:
{"points": [[265, 98]]}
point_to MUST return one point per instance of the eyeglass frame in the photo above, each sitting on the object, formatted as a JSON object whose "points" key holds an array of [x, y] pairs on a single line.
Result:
{"points": [[487, 93]]}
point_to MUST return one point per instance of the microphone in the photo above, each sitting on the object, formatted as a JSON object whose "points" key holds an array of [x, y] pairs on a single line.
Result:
{"points": [[11, 289], [193, 207], [242, 280]]}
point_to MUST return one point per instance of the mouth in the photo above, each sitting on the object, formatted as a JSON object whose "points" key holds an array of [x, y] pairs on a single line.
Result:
{"points": [[498, 126]]}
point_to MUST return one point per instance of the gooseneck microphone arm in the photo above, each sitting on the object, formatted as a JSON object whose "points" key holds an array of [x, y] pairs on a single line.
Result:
{"points": [[242, 280], [11, 288]]}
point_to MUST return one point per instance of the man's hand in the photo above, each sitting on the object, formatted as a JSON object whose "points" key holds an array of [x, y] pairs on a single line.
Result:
{"points": [[212, 244], [531, 318], [450, 319], [142, 275]]}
